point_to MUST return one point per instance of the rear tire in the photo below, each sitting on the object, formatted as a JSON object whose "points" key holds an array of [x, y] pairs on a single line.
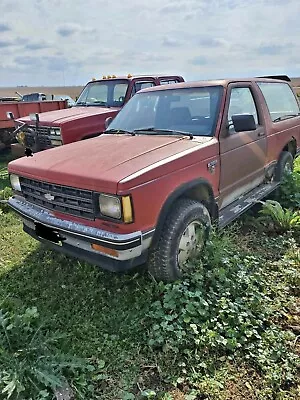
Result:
{"points": [[284, 166], [183, 236]]}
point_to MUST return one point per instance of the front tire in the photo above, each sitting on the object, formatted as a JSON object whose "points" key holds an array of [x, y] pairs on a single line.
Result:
{"points": [[183, 236]]}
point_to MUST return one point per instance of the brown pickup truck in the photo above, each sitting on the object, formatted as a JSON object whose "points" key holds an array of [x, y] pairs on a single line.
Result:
{"points": [[99, 100], [175, 159]]}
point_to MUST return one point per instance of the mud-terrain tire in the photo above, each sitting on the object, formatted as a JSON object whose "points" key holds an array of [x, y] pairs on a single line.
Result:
{"points": [[284, 165], [183, 235]]}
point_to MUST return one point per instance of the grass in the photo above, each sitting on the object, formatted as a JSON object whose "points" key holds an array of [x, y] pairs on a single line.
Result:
{"points": [[4, 180], [129, 328]]}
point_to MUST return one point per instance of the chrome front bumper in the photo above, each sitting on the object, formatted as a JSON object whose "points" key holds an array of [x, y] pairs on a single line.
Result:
{"points": [[76, 239]]}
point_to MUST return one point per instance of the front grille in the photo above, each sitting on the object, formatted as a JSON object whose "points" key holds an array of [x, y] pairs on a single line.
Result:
{"points": [[64, 199], [44, 141], [43, 137], [42, 130]]}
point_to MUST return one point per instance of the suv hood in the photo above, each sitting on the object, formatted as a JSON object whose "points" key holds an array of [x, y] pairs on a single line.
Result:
{"points": [[60, 117], [100, 163]]}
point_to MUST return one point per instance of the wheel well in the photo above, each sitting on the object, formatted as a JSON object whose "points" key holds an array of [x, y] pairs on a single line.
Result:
{"points": [[291, 147], [203, 194], [199, 190]]}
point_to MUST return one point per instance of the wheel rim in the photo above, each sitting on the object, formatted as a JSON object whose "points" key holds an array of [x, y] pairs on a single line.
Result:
{"points": [[288, 169], [191, 242]]}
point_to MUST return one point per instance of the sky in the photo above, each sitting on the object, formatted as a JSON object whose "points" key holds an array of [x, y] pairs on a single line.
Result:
{"points": [[68, 42]]}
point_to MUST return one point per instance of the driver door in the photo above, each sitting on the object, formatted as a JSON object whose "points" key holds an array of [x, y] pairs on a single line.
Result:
{"points": [[242, 154]]}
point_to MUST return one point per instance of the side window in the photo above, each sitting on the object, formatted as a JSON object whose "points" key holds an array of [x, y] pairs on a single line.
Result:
{"points": [[241, 102], [139, 85], [168, 81], [280, 100]]}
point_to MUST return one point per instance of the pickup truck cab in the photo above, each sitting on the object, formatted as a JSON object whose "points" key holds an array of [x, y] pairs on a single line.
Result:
{"points": [[176, 159], [98, 100], [34, 97]]}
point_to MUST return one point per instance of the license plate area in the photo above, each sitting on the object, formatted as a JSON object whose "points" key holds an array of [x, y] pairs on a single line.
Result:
{"points": [[49, 234]]}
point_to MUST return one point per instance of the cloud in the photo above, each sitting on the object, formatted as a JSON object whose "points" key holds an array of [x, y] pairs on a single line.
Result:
{"points": [[273, 49], [199, 60], [28, 61], [96, 37], [24, 43], [173, 8], [209, 41], [171, 42], [56, 63], [69, 29], [37, 45], [4, 27], [5, 43]]}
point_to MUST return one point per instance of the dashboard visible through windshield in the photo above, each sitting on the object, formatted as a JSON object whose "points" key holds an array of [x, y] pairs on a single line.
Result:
{"points": [[191, 111], [104, 94]]}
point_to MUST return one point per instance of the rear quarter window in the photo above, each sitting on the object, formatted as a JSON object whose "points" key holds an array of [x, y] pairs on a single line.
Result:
{"points": [[280, 99]]}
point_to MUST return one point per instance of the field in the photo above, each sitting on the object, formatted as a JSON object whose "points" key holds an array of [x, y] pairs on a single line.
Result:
{"points": [[229, 331], [72, 91]]}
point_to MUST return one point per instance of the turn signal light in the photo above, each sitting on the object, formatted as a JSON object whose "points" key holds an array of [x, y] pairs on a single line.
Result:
{"points": [[105, 250], [127, 209]]}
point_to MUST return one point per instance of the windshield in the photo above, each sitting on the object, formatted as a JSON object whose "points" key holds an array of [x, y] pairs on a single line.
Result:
{"points": [[104, 94], [188, 110]]}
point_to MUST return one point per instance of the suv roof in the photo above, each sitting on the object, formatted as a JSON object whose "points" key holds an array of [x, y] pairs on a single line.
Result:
{"points": [[130, 77], [219, 82]]}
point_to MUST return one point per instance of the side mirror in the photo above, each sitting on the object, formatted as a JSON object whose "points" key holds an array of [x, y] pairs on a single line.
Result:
{"points": [[10, 115], [108, 121], [243, 122], [34, 117]]}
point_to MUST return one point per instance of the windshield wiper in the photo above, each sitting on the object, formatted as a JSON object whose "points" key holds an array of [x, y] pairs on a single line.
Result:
{"points": [[173, 131], [99, 103], [118, 131], [287, 116], [80, 103]]}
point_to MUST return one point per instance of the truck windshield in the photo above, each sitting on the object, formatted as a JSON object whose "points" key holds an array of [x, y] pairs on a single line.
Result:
{"points": [[104, 94], [191, 111]]}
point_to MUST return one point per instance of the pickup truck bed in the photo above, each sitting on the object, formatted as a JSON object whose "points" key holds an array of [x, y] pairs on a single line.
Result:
{"points": [[22, 109]]}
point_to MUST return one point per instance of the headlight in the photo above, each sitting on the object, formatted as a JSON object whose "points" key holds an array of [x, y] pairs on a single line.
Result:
{"points": [[15, 182], [55, 131], [110, 206]]}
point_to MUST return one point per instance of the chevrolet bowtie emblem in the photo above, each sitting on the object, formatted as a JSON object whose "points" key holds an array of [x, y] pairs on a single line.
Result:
{"points": [[49, 196]]}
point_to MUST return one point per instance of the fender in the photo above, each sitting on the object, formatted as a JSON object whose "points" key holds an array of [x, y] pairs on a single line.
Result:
{"points": [[180, 192], [292, 142]]}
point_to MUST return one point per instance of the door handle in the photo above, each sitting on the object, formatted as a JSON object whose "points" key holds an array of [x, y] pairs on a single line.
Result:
{"points": [[261, 133]]}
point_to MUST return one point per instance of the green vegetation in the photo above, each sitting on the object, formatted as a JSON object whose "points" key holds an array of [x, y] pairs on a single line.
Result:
{"points": [[229, 331], [275, 218], [5, 190]]}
